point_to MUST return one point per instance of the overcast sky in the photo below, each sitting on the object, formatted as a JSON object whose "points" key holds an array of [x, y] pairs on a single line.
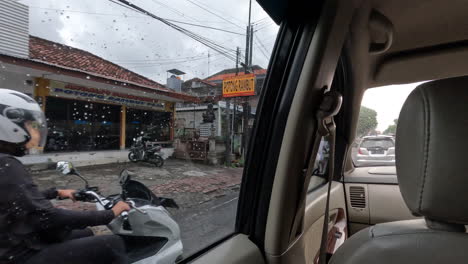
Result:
{"points": [[147, 46], [387, 101]]}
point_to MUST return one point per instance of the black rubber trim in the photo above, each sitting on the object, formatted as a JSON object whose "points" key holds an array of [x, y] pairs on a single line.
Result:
{"points": [[280, 85], [201, 252], [341, 83]]}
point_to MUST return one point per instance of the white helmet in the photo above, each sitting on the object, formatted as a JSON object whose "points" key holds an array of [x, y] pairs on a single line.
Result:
{"points": [[17, 109]]}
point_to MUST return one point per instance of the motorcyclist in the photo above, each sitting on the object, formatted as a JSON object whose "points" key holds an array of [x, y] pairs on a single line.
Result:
{"points": [[32, 230]]}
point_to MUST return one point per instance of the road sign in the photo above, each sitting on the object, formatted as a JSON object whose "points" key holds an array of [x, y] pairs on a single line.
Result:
{"points": [[241, 85]]}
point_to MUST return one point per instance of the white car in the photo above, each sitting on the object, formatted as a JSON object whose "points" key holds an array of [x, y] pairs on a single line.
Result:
{"points": [[376, 150]]}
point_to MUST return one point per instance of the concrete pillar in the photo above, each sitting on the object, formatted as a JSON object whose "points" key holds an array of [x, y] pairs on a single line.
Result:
{"points": [[173, 121], [170, 108], [123, 126], [212, 157], [220, 116], [41, 91]]}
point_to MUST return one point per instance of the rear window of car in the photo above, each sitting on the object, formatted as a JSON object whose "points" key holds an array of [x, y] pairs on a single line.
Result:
{"points": [[377, 125], [381, 142]]}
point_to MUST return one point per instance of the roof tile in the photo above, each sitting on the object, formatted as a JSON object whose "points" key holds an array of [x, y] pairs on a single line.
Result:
{"points": [[62, 55]]}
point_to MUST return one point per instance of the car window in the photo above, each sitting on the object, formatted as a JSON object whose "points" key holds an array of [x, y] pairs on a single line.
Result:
{"points": [[376, 129], [167, 90], [319, 173]]}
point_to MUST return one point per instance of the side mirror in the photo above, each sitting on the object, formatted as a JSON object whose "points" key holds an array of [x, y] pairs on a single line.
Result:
{"points": [[65, 167], [124, 177]]}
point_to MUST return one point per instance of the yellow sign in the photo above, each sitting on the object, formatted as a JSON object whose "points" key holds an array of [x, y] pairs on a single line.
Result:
{"points": [[243, 85]]}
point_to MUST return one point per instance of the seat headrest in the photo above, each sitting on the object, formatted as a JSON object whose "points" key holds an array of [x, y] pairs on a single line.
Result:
{"points": [[432, 150]]}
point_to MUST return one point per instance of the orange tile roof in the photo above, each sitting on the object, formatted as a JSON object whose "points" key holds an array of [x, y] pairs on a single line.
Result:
{"points": [[231, 72], [66, 56]]}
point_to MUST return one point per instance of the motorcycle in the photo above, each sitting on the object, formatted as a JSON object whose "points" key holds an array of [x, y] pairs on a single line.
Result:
{"points": [[138, 152], [149, 232]]}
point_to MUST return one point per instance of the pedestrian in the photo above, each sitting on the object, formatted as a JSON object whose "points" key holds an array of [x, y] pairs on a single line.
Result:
{"points": [[32, 230]]}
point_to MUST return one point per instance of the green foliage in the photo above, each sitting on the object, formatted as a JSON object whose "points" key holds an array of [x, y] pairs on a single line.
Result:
{"points": [[367, 121], [391, 129]]}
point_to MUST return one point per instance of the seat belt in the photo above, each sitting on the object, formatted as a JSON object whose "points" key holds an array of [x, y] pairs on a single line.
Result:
{"points": [[331, 170], [329, 107]]}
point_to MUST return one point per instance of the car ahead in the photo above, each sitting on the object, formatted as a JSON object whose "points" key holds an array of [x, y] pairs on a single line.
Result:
{"points": [[376, 151]]}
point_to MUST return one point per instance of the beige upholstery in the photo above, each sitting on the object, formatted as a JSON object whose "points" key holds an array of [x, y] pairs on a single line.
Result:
{"points": [[431, 147], [431, 150]]}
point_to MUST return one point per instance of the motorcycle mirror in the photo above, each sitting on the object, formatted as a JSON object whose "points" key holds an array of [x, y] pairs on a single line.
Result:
{"points": [[65, 167], [124, 176]]}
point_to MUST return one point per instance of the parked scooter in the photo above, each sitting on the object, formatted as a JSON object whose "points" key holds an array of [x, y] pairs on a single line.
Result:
{"points": [[139, 152], [149, 232]]}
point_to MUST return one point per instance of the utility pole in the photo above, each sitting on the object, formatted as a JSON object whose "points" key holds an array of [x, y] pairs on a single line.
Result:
{"points": [[251, 38], [228, 132], [247, 68], [237, 60], [208, 74], [248, 40], [229, 121]]}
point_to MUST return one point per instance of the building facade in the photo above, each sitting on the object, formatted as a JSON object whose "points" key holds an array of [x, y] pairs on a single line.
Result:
{"points": [[90, 103]]}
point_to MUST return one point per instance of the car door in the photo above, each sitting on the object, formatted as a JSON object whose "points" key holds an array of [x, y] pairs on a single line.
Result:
{"points": [[305, 62]]}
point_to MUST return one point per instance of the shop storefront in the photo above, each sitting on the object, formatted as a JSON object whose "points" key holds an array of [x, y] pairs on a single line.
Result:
{"points": [[83, 118]]}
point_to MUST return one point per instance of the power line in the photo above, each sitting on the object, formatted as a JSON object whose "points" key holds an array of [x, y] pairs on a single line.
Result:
{"points": [[174, 10], [171, 20], [219, 11], [260, 20], [205, 41], [195, 25], [187, 59], [117, 3], [168, 63], [161, 59], [265, 26], [209, 11], [263, 46]]}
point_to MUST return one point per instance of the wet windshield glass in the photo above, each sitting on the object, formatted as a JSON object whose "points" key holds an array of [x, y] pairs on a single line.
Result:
{"points": [[168, 90]]}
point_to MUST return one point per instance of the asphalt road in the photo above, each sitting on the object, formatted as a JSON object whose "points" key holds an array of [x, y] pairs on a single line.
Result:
{"points": [[204, 225]]}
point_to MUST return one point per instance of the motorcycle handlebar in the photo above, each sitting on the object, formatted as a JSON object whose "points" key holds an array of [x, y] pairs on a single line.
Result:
{"points": [[91, 196]]}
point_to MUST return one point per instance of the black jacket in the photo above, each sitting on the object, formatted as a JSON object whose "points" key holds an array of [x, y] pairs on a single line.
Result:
{"points": [[28, 220]]}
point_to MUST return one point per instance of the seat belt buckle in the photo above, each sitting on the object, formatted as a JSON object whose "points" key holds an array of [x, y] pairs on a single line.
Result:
{"points": [[329, 107]]}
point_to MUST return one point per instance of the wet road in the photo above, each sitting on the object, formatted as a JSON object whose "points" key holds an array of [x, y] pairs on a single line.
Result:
{"points": [[207, 195]]}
